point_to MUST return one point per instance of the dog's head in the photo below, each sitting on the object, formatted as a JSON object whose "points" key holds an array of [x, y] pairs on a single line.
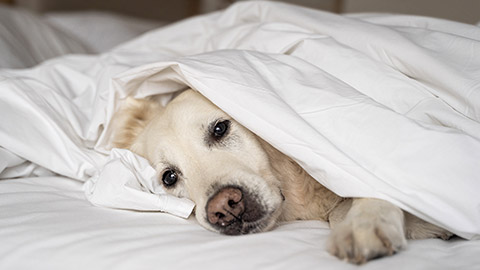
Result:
{"points": [[201, 153]]}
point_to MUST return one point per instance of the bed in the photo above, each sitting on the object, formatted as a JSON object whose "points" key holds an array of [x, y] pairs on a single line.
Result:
{"points": [[387, 106]]}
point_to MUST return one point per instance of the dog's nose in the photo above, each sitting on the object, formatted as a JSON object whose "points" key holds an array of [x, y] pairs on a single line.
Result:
{"points": [[226, 207]]}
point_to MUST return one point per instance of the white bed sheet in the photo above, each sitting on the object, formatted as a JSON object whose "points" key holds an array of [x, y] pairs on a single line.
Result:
{"points": [[54, 227]]}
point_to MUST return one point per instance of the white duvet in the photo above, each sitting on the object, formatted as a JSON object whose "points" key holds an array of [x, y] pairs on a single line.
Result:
{"points": [[383, 106]]}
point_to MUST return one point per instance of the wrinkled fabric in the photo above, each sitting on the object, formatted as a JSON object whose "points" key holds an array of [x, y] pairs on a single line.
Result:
{"points": [[127, 181], [370, 106]]}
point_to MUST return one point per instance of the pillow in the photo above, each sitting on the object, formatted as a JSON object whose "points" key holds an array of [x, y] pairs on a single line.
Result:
{"points": [[26, 39], [101, 31]]}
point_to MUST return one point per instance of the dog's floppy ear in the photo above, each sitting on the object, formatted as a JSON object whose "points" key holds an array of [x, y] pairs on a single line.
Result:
{"points": [[131, 119]]}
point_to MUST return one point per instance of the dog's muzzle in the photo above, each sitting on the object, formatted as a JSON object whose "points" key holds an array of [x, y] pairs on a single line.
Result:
{"points": [[234, 211]]}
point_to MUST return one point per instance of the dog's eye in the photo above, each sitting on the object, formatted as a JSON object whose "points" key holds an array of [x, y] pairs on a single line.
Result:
{"points": [[220, 129], [169, 178]]}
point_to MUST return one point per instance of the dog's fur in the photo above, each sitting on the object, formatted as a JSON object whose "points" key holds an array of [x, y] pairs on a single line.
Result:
{"points": [[240, 184]]}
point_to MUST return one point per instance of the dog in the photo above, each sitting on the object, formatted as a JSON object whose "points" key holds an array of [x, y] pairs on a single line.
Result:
{"points": [[241, 184]]}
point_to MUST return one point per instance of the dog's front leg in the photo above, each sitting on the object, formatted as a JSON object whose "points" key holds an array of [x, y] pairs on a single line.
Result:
{"points": [[371, 228]]}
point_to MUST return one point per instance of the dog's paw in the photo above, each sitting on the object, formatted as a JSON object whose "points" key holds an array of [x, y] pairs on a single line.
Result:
{"points": [[361, 238]]}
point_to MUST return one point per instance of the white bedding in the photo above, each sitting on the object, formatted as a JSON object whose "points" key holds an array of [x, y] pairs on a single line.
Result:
{"points": [[54, 227], [383, 106]]}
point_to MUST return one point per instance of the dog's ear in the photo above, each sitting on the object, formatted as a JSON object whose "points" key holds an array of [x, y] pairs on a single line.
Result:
{"points": [[130, 120]]}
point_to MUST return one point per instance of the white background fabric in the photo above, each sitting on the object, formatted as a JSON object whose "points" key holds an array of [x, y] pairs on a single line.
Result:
{"points": [[26, 39], [100, 31], [382, 106]]}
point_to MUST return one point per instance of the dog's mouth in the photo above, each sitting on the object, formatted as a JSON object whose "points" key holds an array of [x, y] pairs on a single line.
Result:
{"points": [[233, 210]]}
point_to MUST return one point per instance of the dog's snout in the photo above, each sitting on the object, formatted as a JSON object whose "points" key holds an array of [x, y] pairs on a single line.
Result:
{"points": [[226, 207], [233, 210]]}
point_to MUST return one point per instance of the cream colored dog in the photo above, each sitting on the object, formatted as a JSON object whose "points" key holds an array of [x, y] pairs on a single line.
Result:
{"points": [[240, 184]]}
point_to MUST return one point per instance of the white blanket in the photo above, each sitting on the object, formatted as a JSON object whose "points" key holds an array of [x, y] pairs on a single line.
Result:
{"points": [[384, 107]]}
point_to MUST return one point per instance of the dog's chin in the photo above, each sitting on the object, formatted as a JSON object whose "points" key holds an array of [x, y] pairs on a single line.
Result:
{"points": [[265, 223]]}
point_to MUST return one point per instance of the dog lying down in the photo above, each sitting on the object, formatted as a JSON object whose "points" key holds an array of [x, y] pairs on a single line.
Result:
{"points": [[240, 184]]}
